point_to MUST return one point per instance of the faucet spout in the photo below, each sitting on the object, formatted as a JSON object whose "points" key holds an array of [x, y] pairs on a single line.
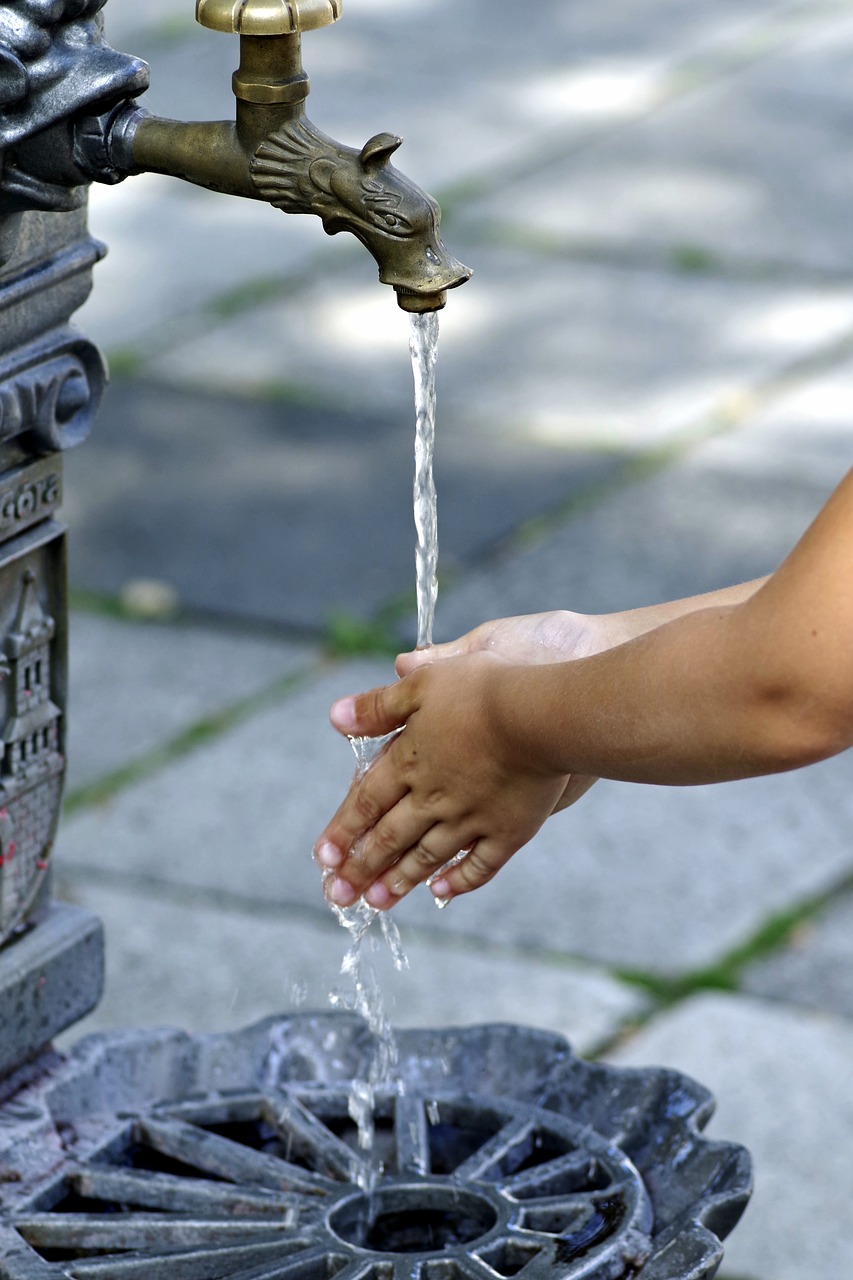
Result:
{"points": [[273, 152], [301, 170]]}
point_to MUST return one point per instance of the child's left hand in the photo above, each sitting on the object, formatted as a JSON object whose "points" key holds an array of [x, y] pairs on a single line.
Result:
{"points": [[450, 781]]}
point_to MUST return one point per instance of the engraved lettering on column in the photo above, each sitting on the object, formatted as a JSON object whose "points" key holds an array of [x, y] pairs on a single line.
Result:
{"points": [[29, 494]]}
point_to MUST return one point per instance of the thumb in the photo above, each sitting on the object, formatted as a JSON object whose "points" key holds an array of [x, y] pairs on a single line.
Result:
{"points": [[377, 712]]}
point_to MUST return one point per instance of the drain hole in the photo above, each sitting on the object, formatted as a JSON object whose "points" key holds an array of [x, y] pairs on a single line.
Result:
{"points": [[413, 1220], [450, 1144], [602, 1223], [574, 1176], [546, 1147], [554, 1221], [139, 1156], [421, 1231], [384, 1137], [508, 1257], [258, 1135]]}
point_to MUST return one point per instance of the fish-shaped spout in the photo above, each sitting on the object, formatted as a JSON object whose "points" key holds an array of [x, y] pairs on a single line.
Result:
{"points": [[301, 170]]}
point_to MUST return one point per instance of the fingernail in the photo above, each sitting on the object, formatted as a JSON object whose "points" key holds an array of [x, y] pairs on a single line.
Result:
{"points": [[342, 893], [440, 888], [328, 855], [379, 896], [343, 715]]}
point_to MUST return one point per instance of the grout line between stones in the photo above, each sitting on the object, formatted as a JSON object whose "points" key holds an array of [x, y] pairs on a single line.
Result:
{"points": [[195, 735], [183, 893]]}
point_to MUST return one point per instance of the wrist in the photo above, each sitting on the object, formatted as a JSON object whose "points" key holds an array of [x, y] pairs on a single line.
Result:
{"points": [[522, 709]]}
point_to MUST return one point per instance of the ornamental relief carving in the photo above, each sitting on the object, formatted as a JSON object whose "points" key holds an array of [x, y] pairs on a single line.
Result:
{"points": [[31, 761], [52, 393]]}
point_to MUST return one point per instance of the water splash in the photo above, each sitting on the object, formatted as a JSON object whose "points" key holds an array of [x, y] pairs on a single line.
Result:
{"points": [[365, 997]]}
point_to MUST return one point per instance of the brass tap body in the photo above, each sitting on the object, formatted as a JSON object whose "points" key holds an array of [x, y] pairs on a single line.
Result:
{"points": [[273, 152]]}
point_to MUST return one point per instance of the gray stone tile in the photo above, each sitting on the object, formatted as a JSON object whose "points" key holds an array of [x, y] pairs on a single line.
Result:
{"points": [[436, 76], [134, 686], [279, 512], [549, 351], [782, 1082], [175, 249], [816, 967], [715, 170], [641, 877], [273, 782], [729, 510], [203, 967]]}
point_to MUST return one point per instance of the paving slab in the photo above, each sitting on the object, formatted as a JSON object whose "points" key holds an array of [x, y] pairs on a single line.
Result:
{"points": [[712, 175], [286, 764], [637, 877], [134, 686], [782, 1082], [176, 250], [216, 968], [815, 968], [437, 76], [289, 513], [538, 348], [728, 510]]}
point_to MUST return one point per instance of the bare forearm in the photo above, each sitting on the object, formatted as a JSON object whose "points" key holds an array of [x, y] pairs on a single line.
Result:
{"points": [[636, 622], [707, 697]]}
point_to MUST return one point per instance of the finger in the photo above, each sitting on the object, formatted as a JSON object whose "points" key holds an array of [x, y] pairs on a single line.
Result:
{"points": [[375, 713], [423, 860], [402, 828], [477, 868], [369, 797]]}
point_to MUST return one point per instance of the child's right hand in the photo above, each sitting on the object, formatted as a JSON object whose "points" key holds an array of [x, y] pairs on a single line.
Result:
{"points": [[459, 776], [533, 638]]}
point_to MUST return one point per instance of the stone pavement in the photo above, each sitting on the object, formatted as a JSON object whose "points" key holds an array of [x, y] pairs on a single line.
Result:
{"points": [[644, 392]]}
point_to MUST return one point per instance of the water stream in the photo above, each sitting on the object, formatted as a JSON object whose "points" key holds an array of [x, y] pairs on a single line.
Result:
{"points": [[365, 995], [423, 345]]}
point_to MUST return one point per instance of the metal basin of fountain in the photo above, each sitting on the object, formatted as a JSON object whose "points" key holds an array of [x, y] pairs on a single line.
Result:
{"points": [[154, 1153]]}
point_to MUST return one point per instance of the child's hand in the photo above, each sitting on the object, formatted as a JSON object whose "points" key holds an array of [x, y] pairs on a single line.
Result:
{"points": [[533, 638], [451, 780], [558, 636]]}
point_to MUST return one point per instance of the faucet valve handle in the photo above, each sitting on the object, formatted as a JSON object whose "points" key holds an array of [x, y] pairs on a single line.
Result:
{"points": [[267, 17]]}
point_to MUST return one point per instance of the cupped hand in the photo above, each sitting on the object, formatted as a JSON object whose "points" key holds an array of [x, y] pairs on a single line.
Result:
{"points": [[532, 638], [558, 636], [451, 780]]}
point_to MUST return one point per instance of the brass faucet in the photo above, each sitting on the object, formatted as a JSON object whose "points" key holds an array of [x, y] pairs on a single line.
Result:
{"points": [[273, 152]]}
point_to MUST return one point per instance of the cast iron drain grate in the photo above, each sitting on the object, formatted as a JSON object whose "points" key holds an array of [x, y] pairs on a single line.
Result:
{"points": [[485, 1174]]}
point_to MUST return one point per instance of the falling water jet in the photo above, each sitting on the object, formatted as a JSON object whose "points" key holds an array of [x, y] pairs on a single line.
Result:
{"points": [[423, 345], [365, 996]]}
